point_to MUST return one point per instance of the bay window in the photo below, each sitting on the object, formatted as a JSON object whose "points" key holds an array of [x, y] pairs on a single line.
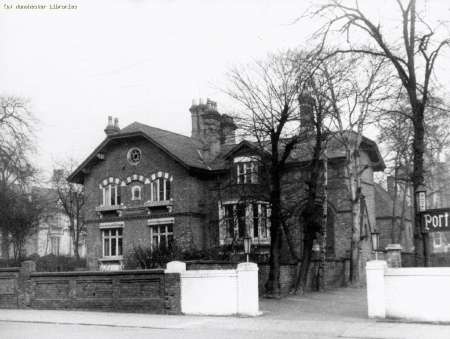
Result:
{"points": [[241, 219]]}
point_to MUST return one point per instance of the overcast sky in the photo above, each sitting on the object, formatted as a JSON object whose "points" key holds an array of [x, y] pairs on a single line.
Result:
{"points": [[138, 60]]}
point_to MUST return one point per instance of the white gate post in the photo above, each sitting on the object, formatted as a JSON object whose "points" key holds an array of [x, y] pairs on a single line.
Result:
{"points": [[247, 294], [376, 303]]}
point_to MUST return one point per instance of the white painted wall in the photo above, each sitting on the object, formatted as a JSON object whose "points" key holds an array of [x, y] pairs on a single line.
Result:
{"points": [[419, 294], [218, 292]]}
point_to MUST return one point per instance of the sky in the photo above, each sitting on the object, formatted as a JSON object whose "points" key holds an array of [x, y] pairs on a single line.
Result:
{"points": [[137, 60]]}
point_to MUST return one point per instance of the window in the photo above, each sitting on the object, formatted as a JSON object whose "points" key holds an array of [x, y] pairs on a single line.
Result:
{"points": [[54, 245], [240, 211], [136, 193], [247, 173], [162, 236], [241, 219], [112, 242], [161, 189], [229, 220], [111, 195], [437, 239], [134, 156], [259, 214], [247, 169]]}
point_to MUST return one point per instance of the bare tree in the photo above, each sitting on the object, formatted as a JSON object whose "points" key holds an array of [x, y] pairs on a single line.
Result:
{"points": [[316, 106], [357, 90], [412, 54], [268, 93], [72, 198], [396, 134], [16, 144]]}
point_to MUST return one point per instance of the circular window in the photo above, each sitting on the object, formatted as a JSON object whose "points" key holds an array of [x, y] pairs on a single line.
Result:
{"points": [[134, 156]]}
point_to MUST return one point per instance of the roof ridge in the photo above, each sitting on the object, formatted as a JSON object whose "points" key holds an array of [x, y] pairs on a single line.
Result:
{"points": [[160, 129]]}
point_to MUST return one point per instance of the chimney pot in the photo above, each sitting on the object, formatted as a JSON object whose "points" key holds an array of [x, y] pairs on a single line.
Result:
{"points": [[116, 123], [194, 102], [110, 121]]}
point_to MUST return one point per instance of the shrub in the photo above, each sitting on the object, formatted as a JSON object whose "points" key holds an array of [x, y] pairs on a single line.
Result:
{"points": [[58, 263], [145, 258], [141, 257]]}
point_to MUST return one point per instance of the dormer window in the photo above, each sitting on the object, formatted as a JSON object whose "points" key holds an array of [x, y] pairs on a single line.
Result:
{"points": [[246, 169], [136, 193]]}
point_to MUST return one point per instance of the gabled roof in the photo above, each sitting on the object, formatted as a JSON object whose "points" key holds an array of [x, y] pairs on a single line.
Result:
{"points": [[181, 148], [335, 149], [188, 151]]}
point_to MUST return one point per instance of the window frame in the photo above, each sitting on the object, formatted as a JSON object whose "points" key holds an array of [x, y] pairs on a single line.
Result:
{"points": [[157, 191], [133, 188], [130, 159], [107, 194], [167, 234], [246, 168], [107, 236], [233, 222]]}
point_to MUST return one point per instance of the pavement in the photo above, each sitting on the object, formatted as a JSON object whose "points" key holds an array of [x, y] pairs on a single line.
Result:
{"points": [[340, 313]]}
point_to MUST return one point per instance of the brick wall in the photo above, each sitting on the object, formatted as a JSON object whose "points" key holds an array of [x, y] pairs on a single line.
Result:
{"points": [[9, 287], [150, 291], [337, 273]]}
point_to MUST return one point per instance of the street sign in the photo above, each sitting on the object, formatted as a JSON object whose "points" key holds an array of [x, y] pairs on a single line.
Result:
{"points": [[436, 220]]}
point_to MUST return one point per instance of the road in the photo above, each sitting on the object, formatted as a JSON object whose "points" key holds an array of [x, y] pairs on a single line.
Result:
{"points": [[334, 314], [17, 330]]}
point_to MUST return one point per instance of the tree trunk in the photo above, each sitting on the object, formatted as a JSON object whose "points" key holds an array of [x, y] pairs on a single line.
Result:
{"points": [[421, 241], [302, 277], [74, 235], [394, 208], [356, 234], [273, 283]]}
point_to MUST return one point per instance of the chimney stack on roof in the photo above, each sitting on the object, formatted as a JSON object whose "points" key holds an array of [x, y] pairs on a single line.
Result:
{"points": [[110, 128], [210, 127]]}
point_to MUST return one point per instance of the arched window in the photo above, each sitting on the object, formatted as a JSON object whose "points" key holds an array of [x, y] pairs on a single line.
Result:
{"points": [[111, 195], [136, 193], [161, 187]]}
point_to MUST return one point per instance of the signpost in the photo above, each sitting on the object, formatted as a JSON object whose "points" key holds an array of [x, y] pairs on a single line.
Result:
{"points": [[436, 220]]}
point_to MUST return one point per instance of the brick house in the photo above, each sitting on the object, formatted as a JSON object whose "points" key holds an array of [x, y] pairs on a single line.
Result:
{"points": [[150, 186]]}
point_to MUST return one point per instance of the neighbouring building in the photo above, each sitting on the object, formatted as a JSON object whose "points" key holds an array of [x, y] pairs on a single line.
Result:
{"points": [[52, 235], [148, 186], [394, 216]]}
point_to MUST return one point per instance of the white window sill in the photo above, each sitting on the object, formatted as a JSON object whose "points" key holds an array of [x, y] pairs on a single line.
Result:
{"points": [[114, 258], [105, 208], [255, 241], [150, 203]]}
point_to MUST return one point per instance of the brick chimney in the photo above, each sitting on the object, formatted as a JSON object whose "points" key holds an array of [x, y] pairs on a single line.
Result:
{"points": [[211, 128], [228, 130], [112, 128]]}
